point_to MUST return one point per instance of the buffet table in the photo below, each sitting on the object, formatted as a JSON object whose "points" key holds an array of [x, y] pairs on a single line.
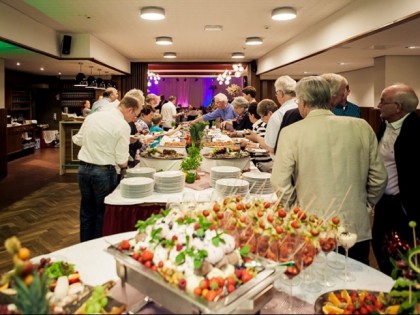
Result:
{"points": [[96, 266]]}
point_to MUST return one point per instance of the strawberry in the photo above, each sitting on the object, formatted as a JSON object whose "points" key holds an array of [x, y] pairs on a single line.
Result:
{"points": [[270, 218], [335, 220], [206, 213], [182, 284]]}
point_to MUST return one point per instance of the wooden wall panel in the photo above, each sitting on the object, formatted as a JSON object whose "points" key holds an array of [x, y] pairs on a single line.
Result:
{"points": [[3, 141]]}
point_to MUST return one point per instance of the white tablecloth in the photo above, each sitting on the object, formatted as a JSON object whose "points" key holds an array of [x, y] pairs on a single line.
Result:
{"points": [[96, 266], [161, 164]]}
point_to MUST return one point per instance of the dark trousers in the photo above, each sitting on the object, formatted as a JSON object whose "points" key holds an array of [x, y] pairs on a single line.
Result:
{"points": [[360, 251], [95, 183], [389, 220]]}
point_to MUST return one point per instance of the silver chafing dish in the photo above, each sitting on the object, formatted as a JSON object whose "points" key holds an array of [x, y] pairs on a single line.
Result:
{"points": [[249, 298]]}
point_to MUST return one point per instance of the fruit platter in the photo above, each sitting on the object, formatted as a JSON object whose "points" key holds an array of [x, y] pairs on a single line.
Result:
{"points": [[165, 154], [50, 286], [218, 258], [227, 152]]}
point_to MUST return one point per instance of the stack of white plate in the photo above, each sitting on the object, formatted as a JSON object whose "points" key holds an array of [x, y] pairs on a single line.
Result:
{"points": [[136, 187], [232, 186], [141, 172], [259, 183], [169, 182], [219, 172]]}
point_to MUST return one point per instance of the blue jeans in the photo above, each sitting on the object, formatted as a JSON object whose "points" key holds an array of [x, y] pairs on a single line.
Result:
{"points": [[95, 183]]}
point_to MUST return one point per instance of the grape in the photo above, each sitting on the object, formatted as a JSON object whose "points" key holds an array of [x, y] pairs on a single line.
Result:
{"points": [[103, 301]]}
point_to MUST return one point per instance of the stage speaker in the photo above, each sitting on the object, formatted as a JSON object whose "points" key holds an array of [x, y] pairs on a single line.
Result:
{"points": [[254, 66], [66, 45]]}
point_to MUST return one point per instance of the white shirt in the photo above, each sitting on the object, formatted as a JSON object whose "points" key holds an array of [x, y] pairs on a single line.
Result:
{"points": [[104, 138], [168, 112], [386, 151], [275, 120], [110, 105]]}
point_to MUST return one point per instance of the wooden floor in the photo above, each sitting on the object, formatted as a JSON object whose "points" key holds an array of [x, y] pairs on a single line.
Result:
{"points": [[41, 207], [38, 205]]}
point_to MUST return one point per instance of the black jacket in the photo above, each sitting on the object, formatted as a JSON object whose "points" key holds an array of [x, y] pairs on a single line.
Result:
{"points": [[407, 159]]}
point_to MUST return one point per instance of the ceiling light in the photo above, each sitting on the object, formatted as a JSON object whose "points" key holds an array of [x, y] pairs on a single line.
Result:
{"points": [[80, 77], [213, 27], [238, 55], [412, 47], [169, 55], [283, 14], [164, 40], [152, 13], [18, 63], [253, 41]]}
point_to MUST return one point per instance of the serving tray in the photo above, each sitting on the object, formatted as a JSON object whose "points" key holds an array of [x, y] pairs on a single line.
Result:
{"points": [[247, 299]]}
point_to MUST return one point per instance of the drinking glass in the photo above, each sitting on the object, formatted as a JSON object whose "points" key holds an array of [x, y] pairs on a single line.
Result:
{"points": [[291, 250], [188, 201], [347, 238], [173, 203], [328, 242]]}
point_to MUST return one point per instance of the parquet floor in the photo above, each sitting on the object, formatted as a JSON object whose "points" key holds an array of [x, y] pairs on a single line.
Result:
{"points": [[38, 205]]}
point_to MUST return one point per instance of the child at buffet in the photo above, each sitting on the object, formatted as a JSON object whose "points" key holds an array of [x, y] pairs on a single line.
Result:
{"points": [[157, 120]]}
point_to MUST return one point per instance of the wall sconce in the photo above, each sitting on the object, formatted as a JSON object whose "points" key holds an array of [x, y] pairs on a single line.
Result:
{"points": [[152, 77], [224, 77], [164, 40], [283, 14], [152, 13]]}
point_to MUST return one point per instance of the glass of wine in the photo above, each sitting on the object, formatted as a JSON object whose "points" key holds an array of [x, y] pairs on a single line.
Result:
{"points": [[291, 250], [328, 242], [347, 238]]}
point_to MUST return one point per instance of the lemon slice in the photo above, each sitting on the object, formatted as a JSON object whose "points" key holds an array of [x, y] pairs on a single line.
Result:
{"points": [[411, 258]]}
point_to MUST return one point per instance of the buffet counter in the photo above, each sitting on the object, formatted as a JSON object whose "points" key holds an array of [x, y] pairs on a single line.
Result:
{"points": [[96, 266]]}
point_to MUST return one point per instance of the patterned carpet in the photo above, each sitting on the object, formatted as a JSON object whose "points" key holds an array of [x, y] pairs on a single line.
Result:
{"points": [[44, 221]]}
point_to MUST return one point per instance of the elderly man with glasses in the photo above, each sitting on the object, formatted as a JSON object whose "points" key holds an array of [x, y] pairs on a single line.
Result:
{"points": [[224, 110]]}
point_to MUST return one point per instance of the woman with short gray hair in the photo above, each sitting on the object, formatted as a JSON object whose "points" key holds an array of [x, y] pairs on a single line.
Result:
{"points": [[241, 122]]}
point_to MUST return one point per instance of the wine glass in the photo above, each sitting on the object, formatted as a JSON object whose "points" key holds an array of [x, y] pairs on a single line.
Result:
{"points": [[328, 242], [291, 250], [347, 238], [173, 203], [188, 201]]}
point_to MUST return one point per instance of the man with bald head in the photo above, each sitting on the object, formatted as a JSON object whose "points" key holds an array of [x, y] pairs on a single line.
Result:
{"points": [[399, 147]]}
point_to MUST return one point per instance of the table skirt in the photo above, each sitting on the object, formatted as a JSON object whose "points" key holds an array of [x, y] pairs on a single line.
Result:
{"points": [[118, 219]]}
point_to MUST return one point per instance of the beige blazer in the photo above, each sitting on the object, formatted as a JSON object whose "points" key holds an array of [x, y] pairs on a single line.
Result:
{"points": [[334, 163]]}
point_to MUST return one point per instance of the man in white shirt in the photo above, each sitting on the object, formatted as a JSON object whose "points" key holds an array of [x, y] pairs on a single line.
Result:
{"points": [[285, 93], [108, 101], [169, 113], [104, 139]]}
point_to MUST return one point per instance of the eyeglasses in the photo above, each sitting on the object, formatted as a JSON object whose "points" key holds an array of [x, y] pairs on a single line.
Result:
{"points": [[382, 103]]}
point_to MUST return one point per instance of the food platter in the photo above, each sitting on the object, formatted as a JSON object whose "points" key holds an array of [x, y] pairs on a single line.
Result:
{"points": [[162, 156], [223, 156], [248, 299], [325, 299], [256, 150]]}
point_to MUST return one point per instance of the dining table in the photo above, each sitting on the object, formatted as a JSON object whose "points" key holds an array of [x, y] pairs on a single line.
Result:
{"points": [[96, 266]]}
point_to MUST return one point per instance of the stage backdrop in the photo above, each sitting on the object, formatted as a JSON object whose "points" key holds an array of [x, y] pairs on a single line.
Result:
{"points": [[195, 91]]}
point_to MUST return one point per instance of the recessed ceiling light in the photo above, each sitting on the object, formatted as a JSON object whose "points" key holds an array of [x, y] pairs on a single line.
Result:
{"points": [[213, 27], [238, 55], [164, 40], [18, 63], [169, 55], [253, 41], [283, 14], [152, 13], [342, 63], [42, 68], [413, 47]]}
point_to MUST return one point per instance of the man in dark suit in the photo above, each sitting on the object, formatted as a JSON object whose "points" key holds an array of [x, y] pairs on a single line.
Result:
{"points": [[399, 147]]}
